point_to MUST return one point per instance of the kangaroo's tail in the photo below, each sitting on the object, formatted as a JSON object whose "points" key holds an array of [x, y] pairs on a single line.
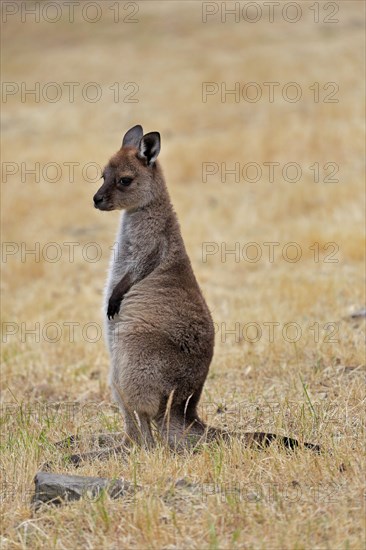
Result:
{"points": [[257, 440]]}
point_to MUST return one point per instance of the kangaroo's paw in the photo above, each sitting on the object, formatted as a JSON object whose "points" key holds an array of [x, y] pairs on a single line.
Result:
{"points": [[114, 305]]}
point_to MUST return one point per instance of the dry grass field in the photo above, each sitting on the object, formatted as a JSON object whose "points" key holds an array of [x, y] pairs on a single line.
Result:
{"points": [[289, 357]]}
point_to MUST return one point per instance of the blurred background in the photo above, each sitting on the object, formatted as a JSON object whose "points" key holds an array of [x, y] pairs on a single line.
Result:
{"points": [[261, 118], [260, 107]]}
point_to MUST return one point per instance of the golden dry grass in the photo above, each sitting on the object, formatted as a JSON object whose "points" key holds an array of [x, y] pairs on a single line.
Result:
{"points": [[311, 389]]}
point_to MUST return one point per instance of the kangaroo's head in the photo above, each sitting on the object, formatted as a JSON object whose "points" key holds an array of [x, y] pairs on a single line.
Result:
{"points": [[130, 176]]}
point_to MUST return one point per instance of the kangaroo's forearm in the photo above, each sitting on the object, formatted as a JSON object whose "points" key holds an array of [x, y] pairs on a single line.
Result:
{"points": [[117, 295], [123, 286], [128, 280]]}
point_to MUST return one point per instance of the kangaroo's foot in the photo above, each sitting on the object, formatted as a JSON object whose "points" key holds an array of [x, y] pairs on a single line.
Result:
{"points": [[103, 454], [101, 440]]}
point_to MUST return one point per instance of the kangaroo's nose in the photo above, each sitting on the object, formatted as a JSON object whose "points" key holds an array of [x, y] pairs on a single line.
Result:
{"points": [[97, 199]]}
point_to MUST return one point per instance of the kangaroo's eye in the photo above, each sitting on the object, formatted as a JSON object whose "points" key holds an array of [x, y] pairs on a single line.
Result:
{"points": [[125, 181]]}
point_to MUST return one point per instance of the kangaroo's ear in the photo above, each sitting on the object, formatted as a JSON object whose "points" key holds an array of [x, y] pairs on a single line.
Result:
{"points": [[150, 147], [133, 137]]}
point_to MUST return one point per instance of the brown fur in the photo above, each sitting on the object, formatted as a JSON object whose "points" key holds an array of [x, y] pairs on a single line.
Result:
{"points": [[160, 332]]}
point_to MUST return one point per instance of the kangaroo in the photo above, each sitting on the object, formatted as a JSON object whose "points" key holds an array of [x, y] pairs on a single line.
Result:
{"points": [[159, 330]]}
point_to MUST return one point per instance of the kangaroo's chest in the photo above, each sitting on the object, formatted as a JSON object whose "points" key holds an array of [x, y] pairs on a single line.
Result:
{"points": [[127, 254]]}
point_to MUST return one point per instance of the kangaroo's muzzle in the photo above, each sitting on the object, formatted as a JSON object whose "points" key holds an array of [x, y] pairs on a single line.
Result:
{"points": [[98, 200]]}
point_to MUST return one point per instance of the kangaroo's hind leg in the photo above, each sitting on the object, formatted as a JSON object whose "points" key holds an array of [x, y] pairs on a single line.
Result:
{"points": [[179, 424], [137, 422]]}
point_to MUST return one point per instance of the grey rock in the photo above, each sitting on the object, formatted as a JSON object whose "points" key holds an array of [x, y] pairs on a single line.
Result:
{"points": [[58, 488]]}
